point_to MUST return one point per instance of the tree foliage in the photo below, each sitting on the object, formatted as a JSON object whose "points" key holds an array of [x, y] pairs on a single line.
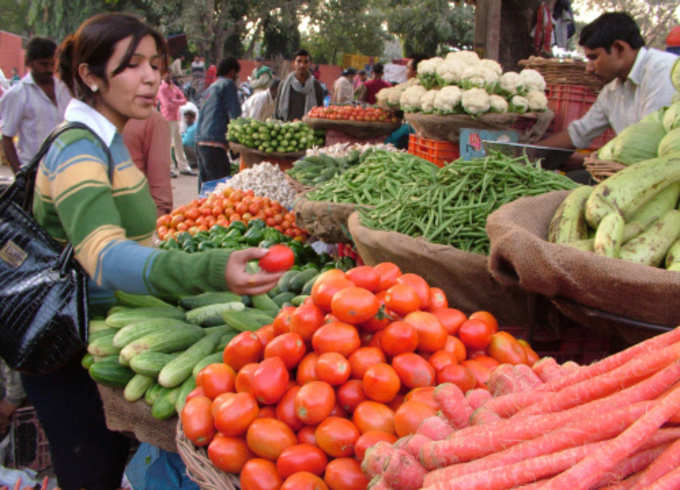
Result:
{"points": [[14, 16]]}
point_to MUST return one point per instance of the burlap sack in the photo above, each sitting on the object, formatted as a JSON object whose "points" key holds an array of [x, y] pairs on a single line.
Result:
{"points": [[135, 418], [324, 220], [463, 276], [356, 129], [448, 128], [521, 256]]}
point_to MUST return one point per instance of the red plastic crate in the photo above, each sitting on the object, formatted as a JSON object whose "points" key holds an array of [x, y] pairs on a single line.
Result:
{"points": [[28, 444], [436, 151]]}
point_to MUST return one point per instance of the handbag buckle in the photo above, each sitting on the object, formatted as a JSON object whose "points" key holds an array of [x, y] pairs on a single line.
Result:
{"points": [[13, 254]]}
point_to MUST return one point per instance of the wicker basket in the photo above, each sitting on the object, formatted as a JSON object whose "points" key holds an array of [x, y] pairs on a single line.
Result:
{"points": [[199, 468], [562, 72], [601, 169]]}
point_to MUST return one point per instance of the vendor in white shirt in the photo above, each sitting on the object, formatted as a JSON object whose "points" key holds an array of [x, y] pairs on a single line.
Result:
{"points": [[261, 104], [637, 80]]}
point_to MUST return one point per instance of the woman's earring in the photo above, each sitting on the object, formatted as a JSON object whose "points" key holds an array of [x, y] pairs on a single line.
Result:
{"points": [[94, 88]]}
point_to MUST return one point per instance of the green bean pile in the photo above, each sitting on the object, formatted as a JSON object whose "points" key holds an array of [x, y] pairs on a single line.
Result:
{"points": [[379, 179], [452, 209]]}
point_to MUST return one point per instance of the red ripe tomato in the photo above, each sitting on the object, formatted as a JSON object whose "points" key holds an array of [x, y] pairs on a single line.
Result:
{"points": [[381, 383], [336, 337], [354, 305], [363, 358], [268, 437], [326, 285], [265, 334], [306, 370], [283, 320], [368, 439], [303, 480], [413, 370], [350, 395], [458, 375], [456, 346], [480, 370], [336, 437], [260, 474], [450, 318], [364, 276], [437, 299], [288, 346], [314, 402], [505, 348], [388, 273], [215, 379], [370, 415], [475, 334], [301, 457], [197, 420], [333, 368], [402, 299], [423, 395], [198, 391], [442, 358], [306, 435], [243, 377], [410, 415], [431, 334], [270, 381], [234, 415], [381, 319], [420, 285], [244, 348], [285, 409], [532, 357], [398, 337], [279, 258], [487, 318], [345, 474], [228, 453], [306, 319]]}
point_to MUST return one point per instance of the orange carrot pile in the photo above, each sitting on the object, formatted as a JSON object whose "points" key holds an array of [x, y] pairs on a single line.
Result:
{"points": [[608, 425]]}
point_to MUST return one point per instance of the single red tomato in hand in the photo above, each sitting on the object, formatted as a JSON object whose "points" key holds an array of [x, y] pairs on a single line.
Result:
{"points": [[279, 258]]}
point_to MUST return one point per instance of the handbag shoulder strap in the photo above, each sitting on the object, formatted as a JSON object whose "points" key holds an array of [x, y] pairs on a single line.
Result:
{"points": [[26, 176]]}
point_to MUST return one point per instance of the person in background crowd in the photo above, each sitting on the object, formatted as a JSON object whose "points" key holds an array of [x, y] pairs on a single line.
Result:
{"points": [[112, 65], [343, 93], [673, 41], [261, 104], [148, 141], [11, 396], [637, 81], [412, 66], [210, 76], [171, 99], [359, 79], [189, 138], [176, 71], [15, 76], [198, 75], [261, 77], [374, 85], [221, 104], [4, 83], [32, 108], [399, 137], [299, 92], [317, 72]]}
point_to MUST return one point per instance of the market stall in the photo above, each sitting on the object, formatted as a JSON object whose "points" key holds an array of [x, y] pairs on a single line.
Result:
{"points": [[352, 124]]}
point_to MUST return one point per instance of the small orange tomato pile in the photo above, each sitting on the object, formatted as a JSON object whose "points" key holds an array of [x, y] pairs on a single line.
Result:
{"points": [[352, 113], [225, 208], [357, 363]]}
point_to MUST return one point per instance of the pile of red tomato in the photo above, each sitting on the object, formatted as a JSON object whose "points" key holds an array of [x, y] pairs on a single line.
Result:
{"points": [[352, 113], [225, 208], [297, 403]]}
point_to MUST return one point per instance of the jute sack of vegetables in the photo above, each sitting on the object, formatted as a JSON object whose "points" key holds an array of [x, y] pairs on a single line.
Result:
{"points": [[123, 416], [322, 219], [464, 276], [522, 256], [447, 127]]}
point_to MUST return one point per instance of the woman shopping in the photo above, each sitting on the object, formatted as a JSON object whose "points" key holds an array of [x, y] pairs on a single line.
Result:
{"points": [[113, 66]]}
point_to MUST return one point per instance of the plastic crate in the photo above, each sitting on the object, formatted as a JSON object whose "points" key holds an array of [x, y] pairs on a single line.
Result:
{"points": [[568, 102], [436, 151], [28, 444]]}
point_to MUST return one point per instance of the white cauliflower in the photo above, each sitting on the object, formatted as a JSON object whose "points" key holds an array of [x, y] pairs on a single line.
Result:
{"points": [[466, 57], [537, 100], [478, 76], [498, 103], [427, 71], [519, 104], [393, 98], [447, 99], [427, 101], [492, 65], [410, 98], [383, 96], [510, 83], [475, 101], [532, 80], [450, 71]]}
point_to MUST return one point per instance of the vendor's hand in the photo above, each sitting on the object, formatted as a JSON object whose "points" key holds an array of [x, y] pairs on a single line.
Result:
{"points": [[240, 281]]}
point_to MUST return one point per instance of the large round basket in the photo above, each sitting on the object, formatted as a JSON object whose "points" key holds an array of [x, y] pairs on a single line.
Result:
{"points": [[324, 220], [251, 156], [447, 128], [563, 72], [199, 467], [356, 129]]}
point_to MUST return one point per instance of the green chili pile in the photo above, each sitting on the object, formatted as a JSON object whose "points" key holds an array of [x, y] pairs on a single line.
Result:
{"points": [[452, 209]]}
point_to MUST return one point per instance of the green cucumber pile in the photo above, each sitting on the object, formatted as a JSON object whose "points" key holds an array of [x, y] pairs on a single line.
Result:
{"points": [[313, 170], [272, 136]]}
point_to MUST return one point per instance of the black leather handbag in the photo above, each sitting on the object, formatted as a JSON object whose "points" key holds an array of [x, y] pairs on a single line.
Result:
{"points": [[43, 289]]}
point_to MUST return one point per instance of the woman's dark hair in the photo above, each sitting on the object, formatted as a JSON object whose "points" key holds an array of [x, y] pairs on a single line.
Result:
{"points": [[610, 27], [93, 43], [40, 48], [226, 65]]}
